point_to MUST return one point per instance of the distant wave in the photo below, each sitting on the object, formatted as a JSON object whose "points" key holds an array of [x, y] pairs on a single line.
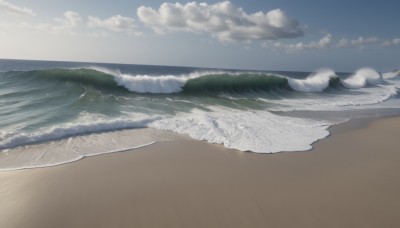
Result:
{"points": [[207, 81]]}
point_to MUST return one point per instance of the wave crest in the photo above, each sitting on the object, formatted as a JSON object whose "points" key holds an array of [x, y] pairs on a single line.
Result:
{"points": [[149, 84], [207, 81], [362, 78], [316, 82], [391, 75]]}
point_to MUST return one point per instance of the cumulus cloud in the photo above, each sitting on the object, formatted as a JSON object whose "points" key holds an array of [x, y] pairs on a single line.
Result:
{"points": [[71, 19], [328, 41], [65, 24], [13, 9], [360, 41], [116, 23], [71, 22], [323, 43], [366, 41], [393, 42], [222, 20]]}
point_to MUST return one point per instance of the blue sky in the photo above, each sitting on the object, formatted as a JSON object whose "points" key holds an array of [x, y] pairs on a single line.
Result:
{"points": [[269, 35]]}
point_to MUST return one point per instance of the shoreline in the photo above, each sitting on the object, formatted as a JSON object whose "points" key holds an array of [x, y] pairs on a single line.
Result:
{"points": [[349, 179], [351, 124]]}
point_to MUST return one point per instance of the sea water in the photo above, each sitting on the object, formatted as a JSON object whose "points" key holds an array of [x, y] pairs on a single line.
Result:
{"points": [[56, 112]]}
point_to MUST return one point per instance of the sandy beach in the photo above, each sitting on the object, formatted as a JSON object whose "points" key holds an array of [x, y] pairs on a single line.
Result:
{"points": [[350, 179]]}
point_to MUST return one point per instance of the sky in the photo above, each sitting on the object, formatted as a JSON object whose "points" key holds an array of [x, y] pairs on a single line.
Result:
{"points": [[306, 35]]}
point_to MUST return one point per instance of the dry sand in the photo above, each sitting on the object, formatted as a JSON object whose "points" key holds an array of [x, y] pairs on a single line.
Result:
{"points": [[351, 179]]}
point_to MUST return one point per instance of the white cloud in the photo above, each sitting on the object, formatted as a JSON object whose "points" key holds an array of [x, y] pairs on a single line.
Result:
{"points": [[116, 23], [328, 41], [71, 23], [63, 25], [366, 41], [323, 43], [393, 42], [362, 41], [222, 20], [4, 25], [343, 43], [70, 19], [13, 9], [101, 34]]}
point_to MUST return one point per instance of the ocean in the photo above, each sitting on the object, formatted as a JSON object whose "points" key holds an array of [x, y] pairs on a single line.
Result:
{"points": [[57, 112]]}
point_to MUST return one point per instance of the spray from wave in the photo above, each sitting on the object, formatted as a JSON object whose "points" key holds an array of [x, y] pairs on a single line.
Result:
{"points": [[391, 75], [362, 78], [151, 83], [316, 82]]}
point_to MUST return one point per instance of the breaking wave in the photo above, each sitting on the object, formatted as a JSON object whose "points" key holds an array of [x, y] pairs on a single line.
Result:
{"points": [[363, 77], [206, 81], [316, 82], [241, 110]]}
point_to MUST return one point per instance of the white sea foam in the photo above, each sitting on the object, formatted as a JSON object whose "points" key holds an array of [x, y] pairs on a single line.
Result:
{"points": [[149, 84], [75, 148], [364, 98], [246, 130], [83, 125], [152, 83], [256, 131], [362, 77], [390, 75], [316, 82]]}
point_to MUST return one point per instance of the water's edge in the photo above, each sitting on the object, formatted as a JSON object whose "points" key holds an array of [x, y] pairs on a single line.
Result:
{"points": [[351, 125]]}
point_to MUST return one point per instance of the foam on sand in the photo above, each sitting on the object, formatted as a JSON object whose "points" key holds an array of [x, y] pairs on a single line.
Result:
{"points": [[74, 148], [256, 131]]}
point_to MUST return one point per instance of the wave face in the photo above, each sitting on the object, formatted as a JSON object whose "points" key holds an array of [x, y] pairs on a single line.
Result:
{"points": [[227, 83], [202, 82], [60, 113]]}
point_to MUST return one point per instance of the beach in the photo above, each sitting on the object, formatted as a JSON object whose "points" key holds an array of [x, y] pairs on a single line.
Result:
{"points": [[211, 114], [350, 179]]}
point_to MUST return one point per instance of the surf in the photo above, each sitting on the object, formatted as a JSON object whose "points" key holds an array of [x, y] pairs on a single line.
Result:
{"points": [[362, 78], [58, 103], [203, 82]]}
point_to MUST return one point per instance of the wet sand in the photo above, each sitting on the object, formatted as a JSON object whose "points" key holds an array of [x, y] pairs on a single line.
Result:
{"points": [[350, 179]]}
